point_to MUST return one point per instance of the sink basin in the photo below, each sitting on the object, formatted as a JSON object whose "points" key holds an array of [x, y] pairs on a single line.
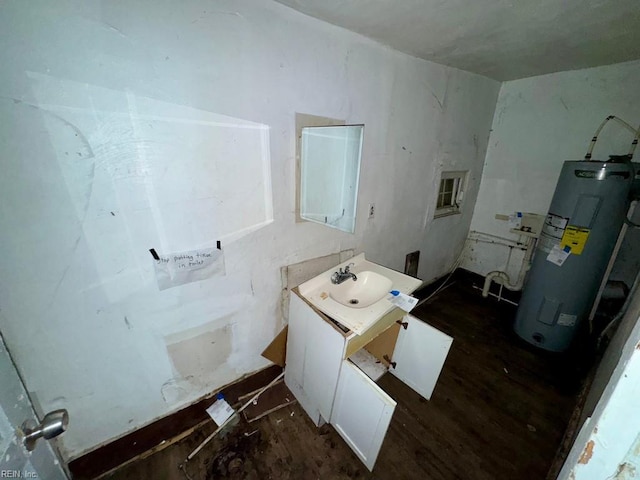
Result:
{"points": [[357, 305], [368, 289]]}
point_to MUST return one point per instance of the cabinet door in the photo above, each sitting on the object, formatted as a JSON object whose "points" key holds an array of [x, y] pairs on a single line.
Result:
{"points": [[314, 356], [299, 318], [322, 361], [419, 355], [361, 413]]}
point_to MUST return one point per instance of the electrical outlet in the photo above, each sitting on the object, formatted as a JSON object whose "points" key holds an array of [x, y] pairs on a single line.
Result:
{"points": [[372, 210]]}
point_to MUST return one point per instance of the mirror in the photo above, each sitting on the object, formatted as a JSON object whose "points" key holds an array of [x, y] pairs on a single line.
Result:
{"points": [[329, 173]]}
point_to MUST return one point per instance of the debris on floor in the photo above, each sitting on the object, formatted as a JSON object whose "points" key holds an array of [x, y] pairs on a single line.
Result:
{"points": [[274, 399], [236, 458], [436, 439]]}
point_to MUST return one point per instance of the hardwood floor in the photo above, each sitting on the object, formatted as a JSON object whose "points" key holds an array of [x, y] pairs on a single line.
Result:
{"points": [[499, 411]]}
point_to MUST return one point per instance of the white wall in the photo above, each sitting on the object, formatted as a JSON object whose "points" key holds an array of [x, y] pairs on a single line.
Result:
{"points": [[539, 123], [103, 103]]}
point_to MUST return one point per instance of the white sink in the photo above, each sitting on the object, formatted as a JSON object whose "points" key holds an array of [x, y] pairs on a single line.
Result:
{"points": [[367, 289], [371, 291]]}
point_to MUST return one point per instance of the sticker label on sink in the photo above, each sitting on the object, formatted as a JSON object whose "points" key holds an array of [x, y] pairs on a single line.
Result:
{"points": [[403, 301]]}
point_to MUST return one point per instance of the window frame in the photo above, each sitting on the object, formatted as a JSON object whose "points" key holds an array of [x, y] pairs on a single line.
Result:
{"points": [[454, 205]]}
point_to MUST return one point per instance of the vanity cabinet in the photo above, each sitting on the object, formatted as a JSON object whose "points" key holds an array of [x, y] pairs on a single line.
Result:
{"points": [[329, 386]]}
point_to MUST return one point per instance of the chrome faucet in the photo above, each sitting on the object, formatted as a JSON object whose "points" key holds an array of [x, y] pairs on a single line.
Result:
{"points": [[341, 275]]}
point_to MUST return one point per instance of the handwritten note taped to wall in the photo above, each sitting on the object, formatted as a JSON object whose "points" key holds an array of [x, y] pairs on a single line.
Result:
{"points": [[186, 267]]}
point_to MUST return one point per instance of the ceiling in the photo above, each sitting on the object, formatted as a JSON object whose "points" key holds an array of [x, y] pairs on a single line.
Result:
{"points": [[501, 39]]}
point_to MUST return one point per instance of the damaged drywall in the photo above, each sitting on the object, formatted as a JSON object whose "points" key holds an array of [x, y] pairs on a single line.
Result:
{"points": [[197, 353], [587, 453]]}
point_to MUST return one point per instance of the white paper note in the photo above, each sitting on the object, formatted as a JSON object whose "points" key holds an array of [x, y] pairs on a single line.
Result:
{"points": [[515, 220], [567, 320], [186, 267], [558, 255], [220, 411], [403, 301]]}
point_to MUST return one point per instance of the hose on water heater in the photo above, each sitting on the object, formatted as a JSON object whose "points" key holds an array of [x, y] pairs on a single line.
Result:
{"points": [[634, 143], [632, 150]]}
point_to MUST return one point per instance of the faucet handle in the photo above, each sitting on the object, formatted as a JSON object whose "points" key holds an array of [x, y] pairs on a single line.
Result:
{"points": [[346, 269]]}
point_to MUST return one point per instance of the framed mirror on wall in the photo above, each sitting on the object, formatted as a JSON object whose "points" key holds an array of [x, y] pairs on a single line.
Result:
{"points": [[329, 171]]}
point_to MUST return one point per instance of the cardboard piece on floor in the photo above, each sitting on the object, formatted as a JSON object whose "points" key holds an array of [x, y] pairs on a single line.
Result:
{"points": [[276, 351], [273, 399]]}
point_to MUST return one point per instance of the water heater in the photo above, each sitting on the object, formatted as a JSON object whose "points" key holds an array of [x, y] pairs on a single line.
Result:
{"points": [[580, 231]]}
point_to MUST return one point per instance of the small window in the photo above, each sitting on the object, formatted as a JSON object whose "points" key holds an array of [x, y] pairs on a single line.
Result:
{"points": [[450, 193]]}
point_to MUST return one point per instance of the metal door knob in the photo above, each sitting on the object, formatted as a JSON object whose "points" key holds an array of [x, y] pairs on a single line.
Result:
{"points": [[53, 424]]}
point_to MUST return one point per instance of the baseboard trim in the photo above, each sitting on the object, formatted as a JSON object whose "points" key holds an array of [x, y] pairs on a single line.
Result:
{"points": [[136, 444]]}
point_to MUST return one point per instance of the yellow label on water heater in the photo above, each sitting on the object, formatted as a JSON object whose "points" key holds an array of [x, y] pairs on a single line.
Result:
{"points": [[576, 238]]}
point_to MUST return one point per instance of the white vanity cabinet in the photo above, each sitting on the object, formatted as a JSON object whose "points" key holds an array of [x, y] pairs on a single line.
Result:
{"points": [[330, 387]]}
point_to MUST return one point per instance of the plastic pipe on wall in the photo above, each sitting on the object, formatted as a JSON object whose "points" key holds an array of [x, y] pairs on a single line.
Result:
{"points": [[503, 279]]}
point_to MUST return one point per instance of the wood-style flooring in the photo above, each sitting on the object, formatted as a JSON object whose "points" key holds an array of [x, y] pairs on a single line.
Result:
{"points": [[498, 412]]}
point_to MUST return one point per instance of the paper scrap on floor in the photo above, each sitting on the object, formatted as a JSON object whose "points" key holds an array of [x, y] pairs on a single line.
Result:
{"points": [[220, 411]]}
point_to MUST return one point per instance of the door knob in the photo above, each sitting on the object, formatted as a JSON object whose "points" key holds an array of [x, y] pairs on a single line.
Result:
{"points": [[53, 424]]}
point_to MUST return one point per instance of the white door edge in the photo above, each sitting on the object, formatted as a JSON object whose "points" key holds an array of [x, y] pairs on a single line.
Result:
{"points": [[420, 353], [361, 413]]}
